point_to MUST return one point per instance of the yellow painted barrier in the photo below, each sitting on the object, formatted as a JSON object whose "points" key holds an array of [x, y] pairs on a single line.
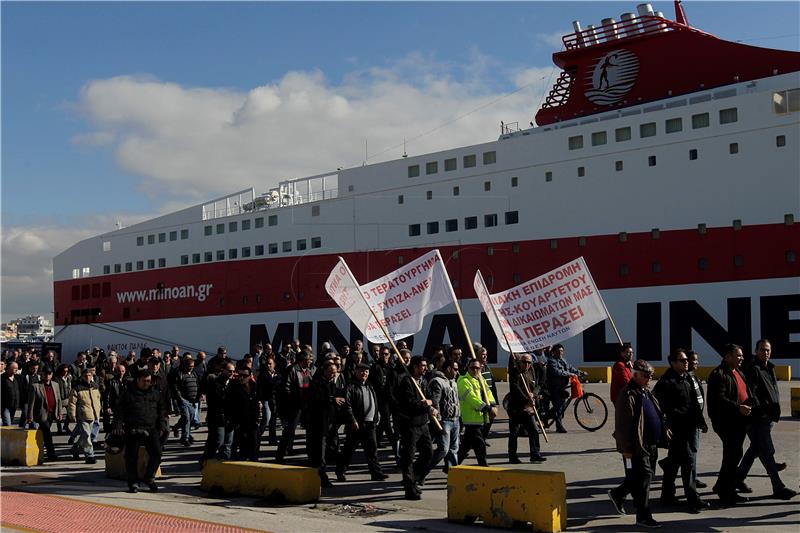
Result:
{"points": [[499, 373], [796, 401], [783, 372], [22, 447], [597, 374], [115, 464], [283, 483], [505, 497]]}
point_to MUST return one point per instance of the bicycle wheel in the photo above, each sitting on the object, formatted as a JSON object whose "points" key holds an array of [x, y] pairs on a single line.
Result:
{"points": [[591, 411]]}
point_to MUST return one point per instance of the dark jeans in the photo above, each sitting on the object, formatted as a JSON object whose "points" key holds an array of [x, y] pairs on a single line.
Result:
{"points": [[680, 455], [385, 423], [415, 439], [287, 436], [642, 468], [732, 449], [152, 444], [317, 438], [761, 446], [365, 437], [694, 444], [624, 488], [518, 421], [245, 442], [558, 398], [473, 440], [218, 443], [44, 427]]}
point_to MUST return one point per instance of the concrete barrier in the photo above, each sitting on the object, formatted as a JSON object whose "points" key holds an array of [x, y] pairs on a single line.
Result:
{"points": [[506, 497], [597, 374], [499, 373], [783, 372], [282, 483], [115, 464], [795, 401], [22, 447]]}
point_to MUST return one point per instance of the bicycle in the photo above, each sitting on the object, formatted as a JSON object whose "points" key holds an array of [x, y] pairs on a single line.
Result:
{"points": [[590, 411]]}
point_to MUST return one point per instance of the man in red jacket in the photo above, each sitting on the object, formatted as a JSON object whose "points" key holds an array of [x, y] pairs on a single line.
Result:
{"points": [[621, 371]]}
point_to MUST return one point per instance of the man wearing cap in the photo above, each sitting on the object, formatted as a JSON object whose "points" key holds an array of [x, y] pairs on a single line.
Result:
{"points": [[44, 406], [639, 426], [84, 410]]}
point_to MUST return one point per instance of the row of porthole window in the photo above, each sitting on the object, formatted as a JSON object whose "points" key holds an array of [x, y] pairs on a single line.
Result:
{"points": [[234, 225], [487, 186], [160, 237], [703, 263], [450, 225], [649, 129], [451, 164]]}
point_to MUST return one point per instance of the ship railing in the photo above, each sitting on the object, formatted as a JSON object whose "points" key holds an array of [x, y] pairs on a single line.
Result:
{"points": [[624, 29], [507, 128]]}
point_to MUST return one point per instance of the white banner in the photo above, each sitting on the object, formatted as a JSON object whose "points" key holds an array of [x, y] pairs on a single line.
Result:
{"points": [[400, 299], [545, 310]]}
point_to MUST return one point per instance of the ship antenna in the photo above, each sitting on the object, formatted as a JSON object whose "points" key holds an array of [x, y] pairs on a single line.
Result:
{"points": [[680, 15], [404, 148]]}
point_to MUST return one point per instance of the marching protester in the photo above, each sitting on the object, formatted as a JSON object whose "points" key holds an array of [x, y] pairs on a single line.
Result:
{"points": [[521, 402], [621, 374], [28, 377], [269, 382], [110, 396], [444, 398], [482, 355], [296, 386], [44, 407], [378, 378], [64, 380], [694, 362], [558, 376], [219, 440], [477, 410], [323, 404], [766, 413], [243, 415], [413, 413], [11, 393], [185, 393], [84, 410]]}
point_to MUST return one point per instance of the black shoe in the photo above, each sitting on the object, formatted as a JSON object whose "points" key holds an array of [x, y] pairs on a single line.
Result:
{"points": [[514, 460], [699, 505], [700, 485], [668, 501], [379, 477], [487, 444], [784, 494], [151, 486], [538, 459], [75, 456], [618, 503], [780, 467], [185, 443], [326, 483], [340, 476], [413, 495], [91, 460], [133, 489], [561, 430], [420, 483], [743, 488], [175, 431], [190, 439], [648, 523], [732, 499], [662, 462]]}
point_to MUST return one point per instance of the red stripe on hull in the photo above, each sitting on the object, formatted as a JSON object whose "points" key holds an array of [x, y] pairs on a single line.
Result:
{"points": [[297, 283]]}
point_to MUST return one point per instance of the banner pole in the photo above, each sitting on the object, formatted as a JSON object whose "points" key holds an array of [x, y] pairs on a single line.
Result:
{"points": [[602, 301], [389, 337]]}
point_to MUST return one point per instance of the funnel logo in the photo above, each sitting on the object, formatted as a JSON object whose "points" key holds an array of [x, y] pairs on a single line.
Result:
{"points": [[612, 78]]}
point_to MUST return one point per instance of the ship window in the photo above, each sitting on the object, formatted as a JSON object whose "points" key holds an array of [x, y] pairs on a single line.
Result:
{"points": [[623, 237], [208, 230], [581, 172], [489, 250], [737, 224], [413, 171], [173, 236], [554, 244], [791, 256], [86, 291], [316, 242], [794, 100], [656, 267], [673, 125], [647, 130], [456, 283], [429, 195], [286, 246], [431, 167], [302, 244], [701, 229], [655, 234], [700, 121], [162, 237], [140, 240], [512, 217], [693, 154], [233, 253], [184, 259], [151, 263], [162, 262], [259, 249], [455, 254], [351, 188], [76, 273], [245, 224], [780, 141], [184, 234], [490, 221], [599, 138], [400, 199], [76, 292], [413, 230], [128, 267], [233, 226], [727, 116], [117, 268], [450, 164], [738, 260], [245, 251], [456, 191], [95, 290], [487, 185], [220, 228], [489, 158], [314, 210], [515, 247], [733, 148], [260, 222], [400, 260], [575, 143], [272, 220], [582, 242], [106, 246], [451, 224], [106, 269], [195, 258], [151, 239], [516, 278], [622, 134], [548, 176], [86, 272], [433, 227], [623, 270], [273, 248], [788, 219], [220, 255], [651, 161], [618, 166], [470, 222], [470, 161], [780, 103], [514, 181], [208, 257], [702, 263]]}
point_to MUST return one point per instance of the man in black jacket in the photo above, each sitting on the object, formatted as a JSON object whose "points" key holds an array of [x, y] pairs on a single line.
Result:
{"points": [[140, 417], [766, 413], [378, 374], [520, 401], [219, 441], [729, 407], [677, 398], [185, 391], [11, 393], [362, 415], [292, 402], [322, 406]]}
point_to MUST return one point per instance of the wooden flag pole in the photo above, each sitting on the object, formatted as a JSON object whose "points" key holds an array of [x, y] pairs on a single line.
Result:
{"points": [[391, 341]]}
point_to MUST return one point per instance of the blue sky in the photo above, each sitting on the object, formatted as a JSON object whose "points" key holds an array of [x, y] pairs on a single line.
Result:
{"points": [[70, 160]]}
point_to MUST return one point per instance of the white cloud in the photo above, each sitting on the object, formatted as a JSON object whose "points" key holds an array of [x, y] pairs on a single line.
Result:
{"points": [[553, 40]]}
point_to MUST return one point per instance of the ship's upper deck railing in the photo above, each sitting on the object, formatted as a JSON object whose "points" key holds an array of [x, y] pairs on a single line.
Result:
{"points": [[611, 30]]}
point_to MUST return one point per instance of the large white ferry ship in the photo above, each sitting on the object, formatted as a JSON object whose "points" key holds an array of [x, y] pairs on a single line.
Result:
{"points": [[665, 156]]}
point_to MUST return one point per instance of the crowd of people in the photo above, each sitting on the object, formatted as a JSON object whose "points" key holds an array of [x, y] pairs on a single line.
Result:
{"points": [[429, 412]]}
